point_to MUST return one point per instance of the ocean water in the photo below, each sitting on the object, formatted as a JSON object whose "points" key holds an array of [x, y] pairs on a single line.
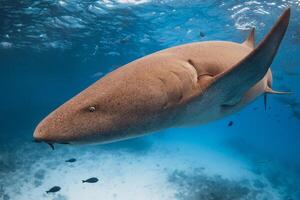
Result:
{"points": [[52, 49]]}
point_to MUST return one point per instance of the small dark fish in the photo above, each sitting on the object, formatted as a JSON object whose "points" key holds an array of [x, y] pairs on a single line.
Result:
{"points": [[71, 160], [90, 180], [230, 123], [53, 189], [202, 34]]}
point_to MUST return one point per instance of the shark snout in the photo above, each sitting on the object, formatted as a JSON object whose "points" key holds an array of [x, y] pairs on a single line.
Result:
{"points": [[40, 135], [44, 133]]}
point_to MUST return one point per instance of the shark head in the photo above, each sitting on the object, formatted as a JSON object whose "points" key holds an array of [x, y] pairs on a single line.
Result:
{"points": [[88, 117], [113, 108]]}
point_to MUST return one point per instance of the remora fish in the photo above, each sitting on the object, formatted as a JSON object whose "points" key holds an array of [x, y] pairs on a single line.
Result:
{"points": [[184, 85]]}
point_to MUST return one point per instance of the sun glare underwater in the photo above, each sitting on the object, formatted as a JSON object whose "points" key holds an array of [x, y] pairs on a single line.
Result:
{"points": [[50, 50]]}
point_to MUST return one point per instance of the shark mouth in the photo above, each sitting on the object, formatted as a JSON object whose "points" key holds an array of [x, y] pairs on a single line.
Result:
{"points": [[50, 143]]}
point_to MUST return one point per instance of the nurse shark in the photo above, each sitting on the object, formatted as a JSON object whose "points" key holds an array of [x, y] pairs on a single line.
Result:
{"points": [[185, 85]]}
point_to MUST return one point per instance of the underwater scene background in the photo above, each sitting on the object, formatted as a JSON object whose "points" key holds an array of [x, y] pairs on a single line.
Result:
{"points": [[52, 49]]}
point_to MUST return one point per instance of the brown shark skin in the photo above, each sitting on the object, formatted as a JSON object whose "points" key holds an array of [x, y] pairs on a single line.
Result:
{"points": [[162, 90]]}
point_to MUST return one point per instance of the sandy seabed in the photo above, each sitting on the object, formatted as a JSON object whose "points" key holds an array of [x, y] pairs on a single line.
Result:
{"points": [[135, 170]]}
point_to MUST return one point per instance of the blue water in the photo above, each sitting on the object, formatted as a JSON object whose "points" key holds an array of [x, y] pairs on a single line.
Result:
{"points": [[50, 50]]}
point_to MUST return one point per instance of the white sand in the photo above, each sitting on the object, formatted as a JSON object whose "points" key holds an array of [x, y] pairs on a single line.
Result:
{"points": [[123, 174]]}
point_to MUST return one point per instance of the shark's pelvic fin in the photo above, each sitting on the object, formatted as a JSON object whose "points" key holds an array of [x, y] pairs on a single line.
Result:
{"points": [[250, 41], [269, 90], [237, 80]]}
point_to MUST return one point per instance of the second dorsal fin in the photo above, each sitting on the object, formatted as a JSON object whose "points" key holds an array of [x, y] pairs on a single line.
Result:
{"points": [[250, 41]]}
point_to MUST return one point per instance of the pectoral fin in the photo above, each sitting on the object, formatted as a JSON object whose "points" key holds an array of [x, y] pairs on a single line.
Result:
{"points": [[234, 83]]}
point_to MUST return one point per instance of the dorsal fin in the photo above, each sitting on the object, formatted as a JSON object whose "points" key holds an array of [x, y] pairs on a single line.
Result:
{"points": [[234, 82], [250, 41]]}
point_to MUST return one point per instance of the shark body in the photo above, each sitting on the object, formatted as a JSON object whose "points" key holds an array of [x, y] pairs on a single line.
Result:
{"points": [[184, 85]]}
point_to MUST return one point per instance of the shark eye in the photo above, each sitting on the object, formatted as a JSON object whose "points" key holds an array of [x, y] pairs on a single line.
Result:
{"points": [[92, 109]]}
